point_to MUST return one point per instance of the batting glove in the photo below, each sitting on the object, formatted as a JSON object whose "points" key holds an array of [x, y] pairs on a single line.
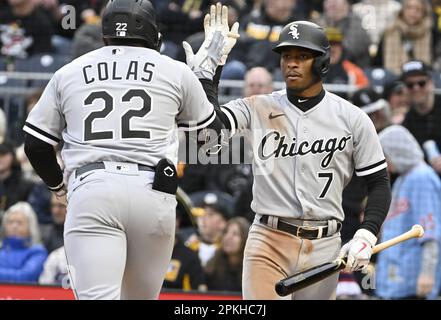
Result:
{"points": [[219, 41], [359, 250]]}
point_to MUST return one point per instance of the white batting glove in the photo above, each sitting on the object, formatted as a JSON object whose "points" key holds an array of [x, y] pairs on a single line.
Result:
{"points": [[219, 41], [359, 250]]}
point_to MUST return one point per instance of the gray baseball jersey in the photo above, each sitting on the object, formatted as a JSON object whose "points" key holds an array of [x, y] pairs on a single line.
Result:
{"points": [[303, 160], [119, 104]]}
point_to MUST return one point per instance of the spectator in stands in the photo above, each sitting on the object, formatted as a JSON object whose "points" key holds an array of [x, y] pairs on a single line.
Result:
{"points": [[25, 29], [180, 19], [376, 16], [40, 201], [85, 11], [185, 270], [261, 31], [55, 269], [13, 187], [368, 100], [412, 269], [408, 38], [224, 270], [211, 216], [436, 14], [243, 7], [258, 80], [21, 255], [54, 237], [338, 14], [3, 126], [28, 171], [341, 70], [355, 193], [424, 117], [88, 37], [397, 95]]}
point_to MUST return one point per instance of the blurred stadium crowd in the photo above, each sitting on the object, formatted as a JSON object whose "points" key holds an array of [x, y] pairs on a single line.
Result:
{"points": [[385, 58]]}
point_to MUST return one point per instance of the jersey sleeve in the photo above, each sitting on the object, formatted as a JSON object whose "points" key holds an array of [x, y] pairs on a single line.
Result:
{"points": [[45, 121], [239, 113], [195, 112], [368, 154]]}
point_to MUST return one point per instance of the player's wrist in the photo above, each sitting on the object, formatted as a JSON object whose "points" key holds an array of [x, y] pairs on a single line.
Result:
{"points": [[57, 188]]}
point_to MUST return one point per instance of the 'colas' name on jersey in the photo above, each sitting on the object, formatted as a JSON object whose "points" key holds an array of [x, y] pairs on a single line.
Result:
{"points": [[109, 71], [273, 145]]}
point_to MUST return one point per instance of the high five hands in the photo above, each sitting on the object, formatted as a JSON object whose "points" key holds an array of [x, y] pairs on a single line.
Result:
{"points": [[218, 42]]}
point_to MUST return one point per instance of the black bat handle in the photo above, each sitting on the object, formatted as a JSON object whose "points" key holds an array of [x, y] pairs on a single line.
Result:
{"points": [[308, 277]]}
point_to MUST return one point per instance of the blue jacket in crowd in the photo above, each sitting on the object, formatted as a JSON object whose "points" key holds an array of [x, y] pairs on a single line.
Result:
{"points": [[20, 262]]}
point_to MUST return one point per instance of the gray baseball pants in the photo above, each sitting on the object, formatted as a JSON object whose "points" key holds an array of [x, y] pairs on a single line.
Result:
{"points": [[272, 255], [119, 233]]}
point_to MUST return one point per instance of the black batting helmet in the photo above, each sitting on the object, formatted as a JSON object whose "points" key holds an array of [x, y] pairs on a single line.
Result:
{"points": [[308, 35], [131, 19]]}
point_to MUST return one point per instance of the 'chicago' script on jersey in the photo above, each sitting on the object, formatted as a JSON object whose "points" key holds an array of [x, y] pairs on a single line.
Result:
{"points": [[279, 148], [109, 71]]}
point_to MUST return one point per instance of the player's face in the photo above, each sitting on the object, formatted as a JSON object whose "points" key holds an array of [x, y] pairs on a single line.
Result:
{"points": [[296, 65]]}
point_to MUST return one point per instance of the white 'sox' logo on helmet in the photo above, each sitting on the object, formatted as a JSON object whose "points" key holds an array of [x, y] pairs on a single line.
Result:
{"points": [[295, 34]]}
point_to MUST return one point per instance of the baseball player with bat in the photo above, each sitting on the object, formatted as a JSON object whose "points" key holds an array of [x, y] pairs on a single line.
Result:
{"points": [[307, 143], [117, 110]]}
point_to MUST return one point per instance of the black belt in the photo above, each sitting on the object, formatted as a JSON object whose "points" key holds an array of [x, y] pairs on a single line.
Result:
{"points": [[309, 233], [100, 165]]}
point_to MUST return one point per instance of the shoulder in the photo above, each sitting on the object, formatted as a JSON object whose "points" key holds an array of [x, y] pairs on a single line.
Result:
{"points": [[179, 66], [72, 67], [423, 174], [258, 101], [275, 96], [337, 102], [350, 112]]}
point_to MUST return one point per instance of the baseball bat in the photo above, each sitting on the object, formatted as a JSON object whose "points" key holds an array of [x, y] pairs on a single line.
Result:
{"points": [[310, 276], [185, 201]]}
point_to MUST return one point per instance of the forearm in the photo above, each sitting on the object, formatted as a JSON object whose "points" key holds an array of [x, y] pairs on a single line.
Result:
{"points": [[379, 198], [429, 258], [43, 159], [210, 89]]}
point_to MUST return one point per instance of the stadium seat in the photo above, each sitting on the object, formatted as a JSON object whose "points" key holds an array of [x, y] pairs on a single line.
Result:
{"points": [[44, 63], [6, 81], [378, 76], [15, 110]]}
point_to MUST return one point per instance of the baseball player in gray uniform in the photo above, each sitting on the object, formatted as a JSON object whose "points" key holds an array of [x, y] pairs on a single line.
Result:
{"points": [[117, 110], [307, 144]]}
